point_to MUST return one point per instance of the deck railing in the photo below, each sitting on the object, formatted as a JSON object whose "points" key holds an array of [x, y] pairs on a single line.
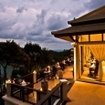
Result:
{"points": [[37, 97], [52, 96], [27, 93], [30, 77]]}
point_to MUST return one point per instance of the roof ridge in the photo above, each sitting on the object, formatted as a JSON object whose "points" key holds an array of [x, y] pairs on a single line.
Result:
{"points": [[93, 11]]}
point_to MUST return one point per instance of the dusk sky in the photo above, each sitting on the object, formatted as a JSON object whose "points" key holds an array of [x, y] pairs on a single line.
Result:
{"points": [[33, 20]]}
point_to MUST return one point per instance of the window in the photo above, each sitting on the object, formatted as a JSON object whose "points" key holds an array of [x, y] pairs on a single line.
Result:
{"points": [[96, 37]]}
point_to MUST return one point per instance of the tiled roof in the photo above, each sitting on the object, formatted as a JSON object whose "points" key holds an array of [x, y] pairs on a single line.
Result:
{"points": [[81, 29], [94, 15], [93, 22]]}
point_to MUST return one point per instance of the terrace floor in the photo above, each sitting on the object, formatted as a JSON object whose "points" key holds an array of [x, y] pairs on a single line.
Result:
{"points": [[51, 83], [83, 93]]}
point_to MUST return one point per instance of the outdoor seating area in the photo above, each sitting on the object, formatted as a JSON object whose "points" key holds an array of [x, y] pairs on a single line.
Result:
{"points": [[44, 80], [32, 92], [55, 71], [92, 67], [32, 87]]}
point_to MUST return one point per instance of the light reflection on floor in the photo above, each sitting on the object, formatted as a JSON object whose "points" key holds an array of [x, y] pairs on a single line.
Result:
{"points": [[85, 77]]}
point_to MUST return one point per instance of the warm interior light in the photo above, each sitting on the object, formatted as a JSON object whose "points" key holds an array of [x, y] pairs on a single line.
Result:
{"points": [[23, 83], [49, 89], [73, 43], [34, 72], [57, 77], [74, 37], [8, 81], [40, 89], [63, 80]]}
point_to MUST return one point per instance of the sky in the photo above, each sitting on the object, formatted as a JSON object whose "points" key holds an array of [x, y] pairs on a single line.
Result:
{"points": [[32, 21]]}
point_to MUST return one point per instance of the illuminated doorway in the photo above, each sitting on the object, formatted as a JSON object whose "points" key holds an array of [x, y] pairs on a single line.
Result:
{"points": [[92, 62]]}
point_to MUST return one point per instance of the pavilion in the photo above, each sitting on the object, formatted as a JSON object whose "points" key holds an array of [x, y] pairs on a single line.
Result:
{"points": [[87, 35]]}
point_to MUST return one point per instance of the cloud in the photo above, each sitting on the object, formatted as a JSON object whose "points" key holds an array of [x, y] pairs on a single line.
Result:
{"points": [[93, 4], [5, 24], [33, 20], [21, 9], [41, 17], [38, 25], [57, 21], [2, 8]]}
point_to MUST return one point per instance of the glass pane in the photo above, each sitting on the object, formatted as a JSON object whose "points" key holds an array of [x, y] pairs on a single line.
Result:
{"points": [[96, 37], [83, 38]]}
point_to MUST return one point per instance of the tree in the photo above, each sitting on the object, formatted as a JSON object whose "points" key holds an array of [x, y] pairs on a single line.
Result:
{"points": [[34, 51], [12, 54], [45, 57]]}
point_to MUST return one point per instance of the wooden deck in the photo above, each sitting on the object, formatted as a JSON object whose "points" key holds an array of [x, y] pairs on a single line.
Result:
{"points": [[51, 83], [83, 93], [68, 72]]}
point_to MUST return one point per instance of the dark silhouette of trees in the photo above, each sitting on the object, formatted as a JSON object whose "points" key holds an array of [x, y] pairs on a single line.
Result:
{"points": [[32, 56], [50, 57], [24, 60], [12, 54], [45, 58], [34, 52]]}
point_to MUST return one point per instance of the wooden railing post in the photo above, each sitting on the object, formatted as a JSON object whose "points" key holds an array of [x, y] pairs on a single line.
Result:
{"points": [[34, 77], [64, 91], [8, 84], [22, 93], [61, 92], [34, 81], [49, 101]]}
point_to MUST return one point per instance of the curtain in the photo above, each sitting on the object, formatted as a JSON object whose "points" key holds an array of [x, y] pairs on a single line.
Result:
{"points": [[99, 53]]}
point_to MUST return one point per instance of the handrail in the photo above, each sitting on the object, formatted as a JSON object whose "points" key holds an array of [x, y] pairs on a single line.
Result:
{"points": [[21, 89], [40, 101], [47, 96], [26, 75], [26, 87], [31, 76]]}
